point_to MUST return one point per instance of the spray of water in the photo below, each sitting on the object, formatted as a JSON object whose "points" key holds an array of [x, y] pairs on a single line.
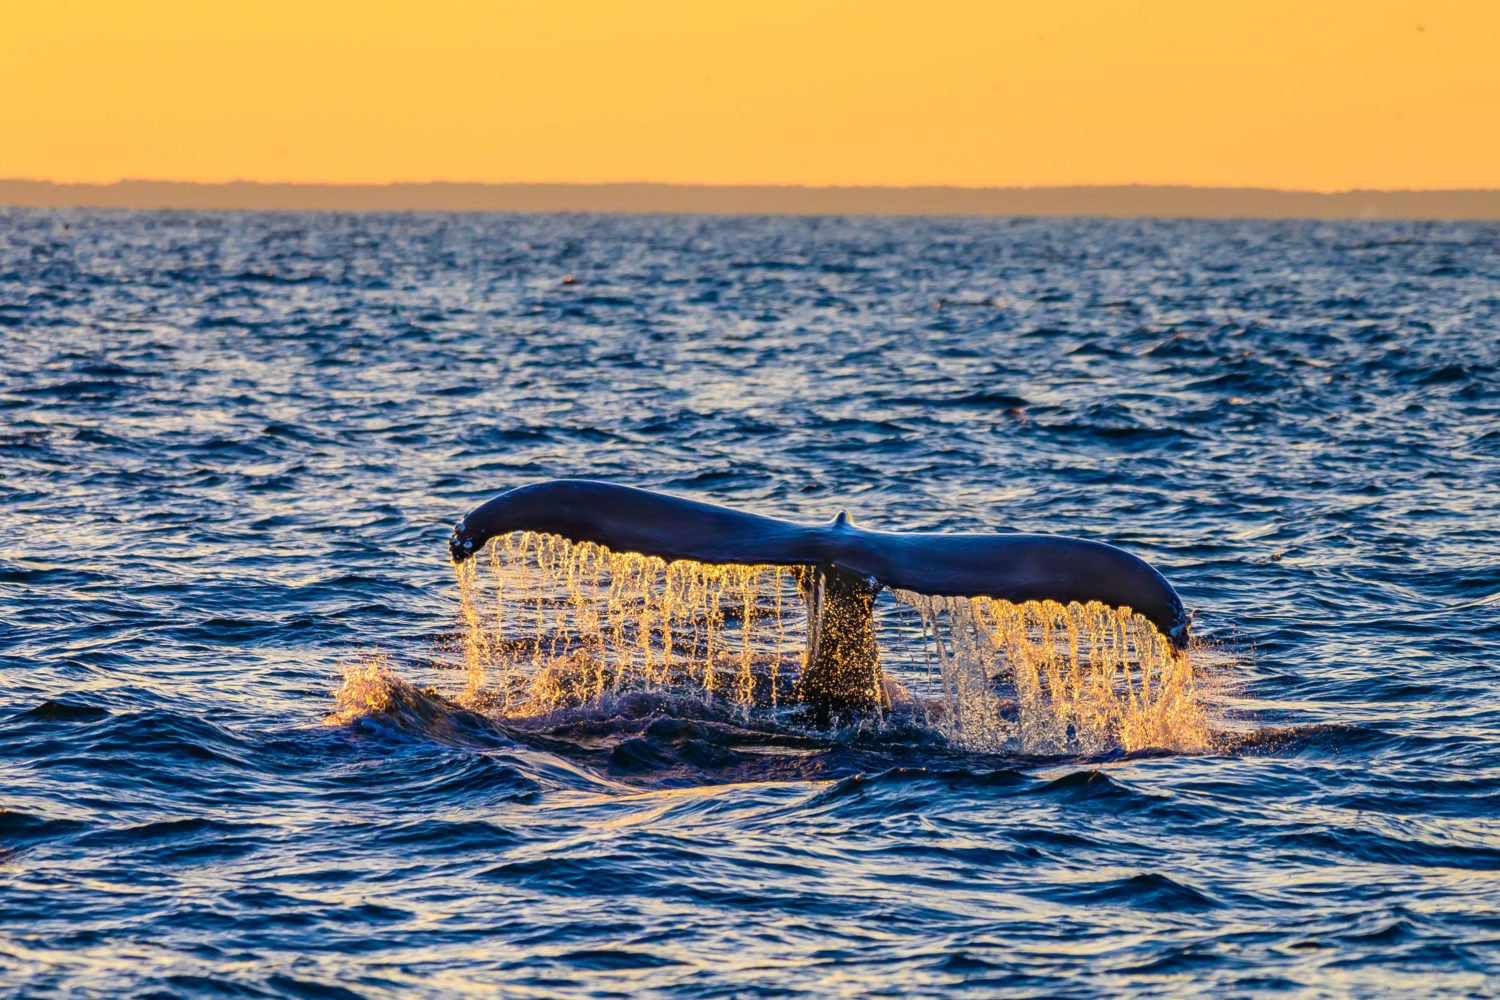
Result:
{"points": [[553, 624], [1080, 678], [550, 624]]}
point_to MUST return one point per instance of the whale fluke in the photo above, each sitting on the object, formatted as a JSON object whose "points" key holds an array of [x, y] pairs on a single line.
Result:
{"points": [[840, 567]]}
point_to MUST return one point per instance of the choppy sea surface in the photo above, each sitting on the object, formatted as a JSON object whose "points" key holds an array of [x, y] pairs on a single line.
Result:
{"points": [[231, 447]]}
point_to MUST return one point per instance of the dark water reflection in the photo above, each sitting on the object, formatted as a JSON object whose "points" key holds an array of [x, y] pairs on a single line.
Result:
{"points": [[231, 445]]}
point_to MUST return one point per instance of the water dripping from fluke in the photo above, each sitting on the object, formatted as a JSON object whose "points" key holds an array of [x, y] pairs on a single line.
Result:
{"points": [[580, 597]]}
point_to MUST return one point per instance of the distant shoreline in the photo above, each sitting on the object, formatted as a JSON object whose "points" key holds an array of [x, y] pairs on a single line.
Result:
{"points": [[1118, 201]]}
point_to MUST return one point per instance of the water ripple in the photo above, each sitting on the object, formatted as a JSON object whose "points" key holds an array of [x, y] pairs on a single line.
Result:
{"points": [[233, 444]]}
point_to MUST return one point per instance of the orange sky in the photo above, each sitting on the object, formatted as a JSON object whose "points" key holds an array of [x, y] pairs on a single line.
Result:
{"points": [[1309, 94]]}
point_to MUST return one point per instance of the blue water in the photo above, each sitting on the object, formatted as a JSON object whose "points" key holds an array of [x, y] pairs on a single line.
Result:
{"points": [[231, 447]]}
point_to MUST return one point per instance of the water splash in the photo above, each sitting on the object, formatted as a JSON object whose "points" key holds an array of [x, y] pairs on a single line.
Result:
{"points": [[371, 692], [555, 624], [551, 624], [368, 686], [371, 688], [1084, 678]]}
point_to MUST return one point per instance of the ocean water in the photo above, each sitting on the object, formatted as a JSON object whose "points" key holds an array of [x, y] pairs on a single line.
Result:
{"points": [[232, 445]]}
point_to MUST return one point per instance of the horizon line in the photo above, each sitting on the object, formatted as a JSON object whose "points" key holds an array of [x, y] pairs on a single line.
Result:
{"points": [[1132, 200]]}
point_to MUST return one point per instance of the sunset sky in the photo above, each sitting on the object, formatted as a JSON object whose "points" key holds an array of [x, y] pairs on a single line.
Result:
{"points": [[1319, 95]]}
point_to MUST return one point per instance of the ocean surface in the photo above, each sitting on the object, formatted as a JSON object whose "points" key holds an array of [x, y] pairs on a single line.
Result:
{"points": [[232, 447]]}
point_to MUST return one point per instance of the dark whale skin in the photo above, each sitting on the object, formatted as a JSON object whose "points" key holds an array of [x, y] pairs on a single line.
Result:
{"points": [[1008, 567]]}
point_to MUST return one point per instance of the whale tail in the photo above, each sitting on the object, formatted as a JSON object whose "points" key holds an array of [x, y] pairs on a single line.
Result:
{"points": [[839, 568]]}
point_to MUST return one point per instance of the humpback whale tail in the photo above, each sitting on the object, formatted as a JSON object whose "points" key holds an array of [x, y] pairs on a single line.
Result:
{"points": [[838, 568]]}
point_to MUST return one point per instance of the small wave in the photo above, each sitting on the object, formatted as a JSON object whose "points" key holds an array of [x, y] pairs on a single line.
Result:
{"points": [[1148, 891], [21, 829], [374, 696], [61, 711]]}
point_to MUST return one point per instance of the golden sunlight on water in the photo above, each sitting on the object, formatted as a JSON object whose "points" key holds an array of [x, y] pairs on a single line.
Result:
{"points": [[1083, 677], [554, 624], [368, 686], [550, 624]]}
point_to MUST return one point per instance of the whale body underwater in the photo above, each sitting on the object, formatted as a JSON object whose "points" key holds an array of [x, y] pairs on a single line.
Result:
{"points": [[840, 567]]}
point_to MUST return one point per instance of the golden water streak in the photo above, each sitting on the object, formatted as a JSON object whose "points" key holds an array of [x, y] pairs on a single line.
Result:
{"points": [[1087, 677], [569, 622], [551, 624]]}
